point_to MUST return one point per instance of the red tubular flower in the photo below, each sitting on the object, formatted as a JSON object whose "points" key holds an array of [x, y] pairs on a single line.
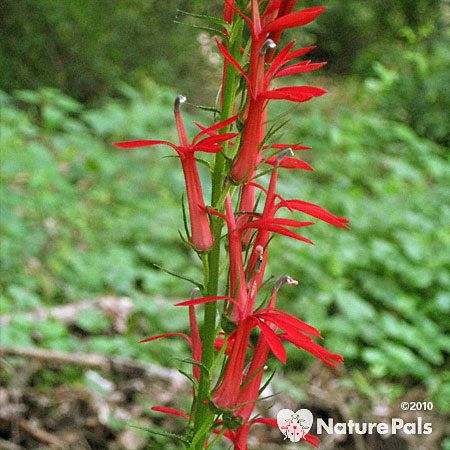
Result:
{"points": [[238, 286], [240, 436], [285, 7], [269, 341], [228, 12], [194, 340], [227, 393], [201, 237], [230, 393], [245, 296], [259, 82], [273, 203]]}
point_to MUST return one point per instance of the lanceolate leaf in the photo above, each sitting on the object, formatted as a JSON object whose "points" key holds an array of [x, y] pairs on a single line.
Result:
{"points": [[213, 20], [181, 277], [199, 27], [162, 433], [263, 387]]}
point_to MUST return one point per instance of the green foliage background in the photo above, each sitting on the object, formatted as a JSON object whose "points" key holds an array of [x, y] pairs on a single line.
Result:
{"points": [[81, 219]]}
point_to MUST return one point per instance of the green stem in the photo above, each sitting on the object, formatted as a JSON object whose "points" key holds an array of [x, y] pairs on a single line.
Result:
{"points": [[202, 412]]}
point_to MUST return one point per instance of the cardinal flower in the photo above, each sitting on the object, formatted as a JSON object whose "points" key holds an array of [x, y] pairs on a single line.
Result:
{"points": [[193, 340], [245, 295], [201, 236], [258, 80], [274, 202], [299, 336], [231, 392]]}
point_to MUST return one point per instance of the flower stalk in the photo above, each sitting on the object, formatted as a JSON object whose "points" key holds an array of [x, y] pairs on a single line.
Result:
{"points": [[228, 370]]}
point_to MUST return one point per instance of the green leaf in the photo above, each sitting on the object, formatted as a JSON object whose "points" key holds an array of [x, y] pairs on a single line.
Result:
{"points": [[264, 386], [205, 108], [189, 377], [211, 19], [162, 433], [199, 27], [181, 277], [193, 362]]}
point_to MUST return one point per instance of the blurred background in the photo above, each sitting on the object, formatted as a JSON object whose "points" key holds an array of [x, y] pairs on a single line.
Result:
{"points": [[85, 226]]}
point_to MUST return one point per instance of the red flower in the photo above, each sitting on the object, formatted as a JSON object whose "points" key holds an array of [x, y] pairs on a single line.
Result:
{"points": [[227, 393], [201, 237], [230, 394], [239, 437], [275, 19]]}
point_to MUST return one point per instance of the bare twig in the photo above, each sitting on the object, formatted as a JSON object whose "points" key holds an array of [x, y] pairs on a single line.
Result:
{"points": [[7, 445], [117, 309], [39, 434], [94, 361]]}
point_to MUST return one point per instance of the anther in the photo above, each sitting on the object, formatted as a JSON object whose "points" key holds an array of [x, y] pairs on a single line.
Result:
{"points": [[259, 263], [259, 251], [283, 154], [268, 45], [285, 279], [178, 101]]}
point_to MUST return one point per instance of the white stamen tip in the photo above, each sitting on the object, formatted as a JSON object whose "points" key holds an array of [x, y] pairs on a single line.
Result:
{"points": [[284, 153], [268, 45], [179, 99], [285, 279]]}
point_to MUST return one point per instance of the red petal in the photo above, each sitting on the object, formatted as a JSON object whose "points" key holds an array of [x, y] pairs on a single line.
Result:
{"points": [[230, 4], [297, 69], [287, 319], [218, 126], [290, 222], [216, 138], [314, 211], [282, 222], [273, 341], [296, 19], [272, 7], [295, 93], [313, 440], [207, 148], [279, 230], [256, 185], [232, 61], [161, 336], [306, 343], [171, 411], [266, 421], [200, 301], [142, 143], [279, 60], [293, 147], [216, 213], [288, 163], [300, 52]]}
